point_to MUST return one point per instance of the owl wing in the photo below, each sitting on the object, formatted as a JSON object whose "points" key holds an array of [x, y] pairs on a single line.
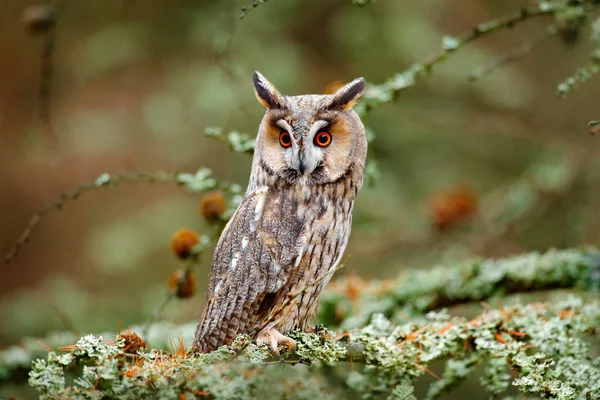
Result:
{"points": [[256, 255]]}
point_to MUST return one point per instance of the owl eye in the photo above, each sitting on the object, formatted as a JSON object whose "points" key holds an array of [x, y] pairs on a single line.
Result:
{"points": [[285, 140], [323, 139]]}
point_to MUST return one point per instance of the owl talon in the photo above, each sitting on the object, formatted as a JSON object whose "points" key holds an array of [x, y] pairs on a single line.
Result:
{"points": [[273, 338]]}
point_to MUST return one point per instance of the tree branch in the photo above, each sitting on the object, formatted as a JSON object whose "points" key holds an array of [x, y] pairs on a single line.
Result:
{"points": [[541, 343], [350, 302]]}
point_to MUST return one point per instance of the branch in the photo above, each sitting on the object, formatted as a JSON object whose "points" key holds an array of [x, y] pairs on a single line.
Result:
{"points": [[351, 302], [202, 180], [237, 142], [541, 343], [379, 94], [516, 54], [246, 9]]}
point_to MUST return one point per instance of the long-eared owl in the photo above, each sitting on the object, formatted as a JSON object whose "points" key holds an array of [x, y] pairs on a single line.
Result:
{"points": [[284, 241]]}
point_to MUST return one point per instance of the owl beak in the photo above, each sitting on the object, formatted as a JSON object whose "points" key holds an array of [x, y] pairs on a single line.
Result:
{"points": [[301, 162]]}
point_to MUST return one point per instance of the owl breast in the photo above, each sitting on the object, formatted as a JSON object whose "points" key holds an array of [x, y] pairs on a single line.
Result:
{"points": [[326, 218], [283, 240]]}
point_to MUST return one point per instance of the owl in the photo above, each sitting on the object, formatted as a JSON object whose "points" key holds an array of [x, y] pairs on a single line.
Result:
{"points": [[288, 235]]}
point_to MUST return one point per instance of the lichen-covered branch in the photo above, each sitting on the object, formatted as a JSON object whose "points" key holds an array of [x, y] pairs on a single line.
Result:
{"points": [[201, 181], [19, 357], [246, 9], [238, 142], [542, 345], [350, 302], [387, 91], [587, 71], [563, 12], [516, 54]]}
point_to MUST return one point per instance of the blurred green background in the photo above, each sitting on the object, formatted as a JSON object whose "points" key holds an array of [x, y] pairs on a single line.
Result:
{"points": [[136, 83]]}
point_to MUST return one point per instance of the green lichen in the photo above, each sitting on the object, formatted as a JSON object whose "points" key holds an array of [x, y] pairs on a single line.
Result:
{"points": [[543, 344], [417, 291], [238, 142]]}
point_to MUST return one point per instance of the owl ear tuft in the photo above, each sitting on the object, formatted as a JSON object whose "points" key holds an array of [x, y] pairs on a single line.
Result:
{"points": [[265, 92], [346, 96]]}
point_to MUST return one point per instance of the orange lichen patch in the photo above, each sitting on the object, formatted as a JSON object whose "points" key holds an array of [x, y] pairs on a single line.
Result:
{"points": [[133, 342], [70, 347], [178, 348], [333, 86], [199, 393], [159, 360], [499, 338], [445, 328], [516, 333], [339, 336], [133, 370], [451, 206], [430, 372], [212, 206], [413, 336], [183, 242], [182, 283], [563, 314], [44, 346]]}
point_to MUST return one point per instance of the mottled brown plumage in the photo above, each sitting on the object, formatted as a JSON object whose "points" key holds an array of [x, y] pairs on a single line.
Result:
{"points": [[290, 230]]}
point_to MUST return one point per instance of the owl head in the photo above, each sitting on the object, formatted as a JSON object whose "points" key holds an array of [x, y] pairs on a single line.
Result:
{"points": [[309, 139]]}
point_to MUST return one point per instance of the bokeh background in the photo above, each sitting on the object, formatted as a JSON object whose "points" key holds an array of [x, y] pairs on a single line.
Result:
{"points": [[493, 167]]}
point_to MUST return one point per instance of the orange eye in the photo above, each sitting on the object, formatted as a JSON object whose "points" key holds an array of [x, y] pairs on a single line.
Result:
{"points": [[285, 140], [323, 139]]}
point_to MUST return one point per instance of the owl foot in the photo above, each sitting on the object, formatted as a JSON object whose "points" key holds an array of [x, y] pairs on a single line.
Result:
{"points": [[273, 338]]}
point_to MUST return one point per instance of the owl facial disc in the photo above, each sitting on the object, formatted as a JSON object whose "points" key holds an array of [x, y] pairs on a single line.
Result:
{"points": [[303, 155], [309, 139]]}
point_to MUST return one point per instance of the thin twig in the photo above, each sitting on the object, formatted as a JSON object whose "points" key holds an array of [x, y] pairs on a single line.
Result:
{"points": [[389, 90], [518, 53], [47, 74], [44, 94], [103, 181], [63, 317], [246, 9], [157, 314]]}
